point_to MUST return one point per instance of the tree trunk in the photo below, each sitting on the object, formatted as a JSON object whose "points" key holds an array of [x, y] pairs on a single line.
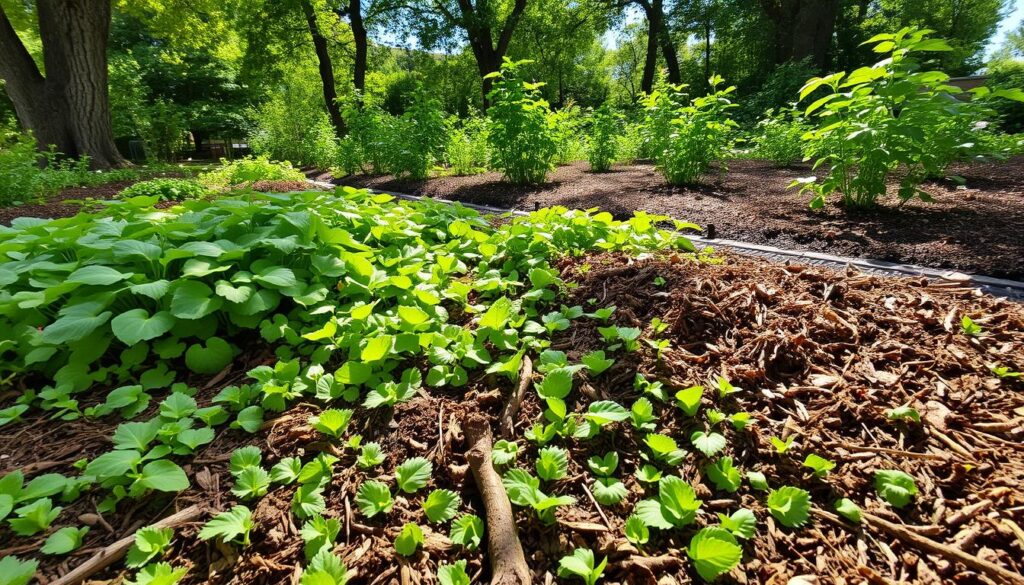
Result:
{"points": [[651, 59], [69, 108], [803, 29], [812, 33], [707, 49], [481, 40], [326, 67], [355, 19], [668, 49]]}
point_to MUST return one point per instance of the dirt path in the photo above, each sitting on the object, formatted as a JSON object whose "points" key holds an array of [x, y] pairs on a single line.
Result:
{"points": [[975, 229]]}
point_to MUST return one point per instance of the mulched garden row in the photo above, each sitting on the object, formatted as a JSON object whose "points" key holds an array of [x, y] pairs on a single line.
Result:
{"points": [[975, 228], [820, 356]]}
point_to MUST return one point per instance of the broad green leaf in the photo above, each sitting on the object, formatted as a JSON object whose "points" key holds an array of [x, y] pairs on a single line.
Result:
{"points": [[441, 505], [137, 325], [714, 551]]}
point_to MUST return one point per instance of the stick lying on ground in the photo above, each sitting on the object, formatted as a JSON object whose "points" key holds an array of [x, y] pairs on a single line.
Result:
{"points": [[508, 564], [113, 552], [986, 568], [508, 414]]}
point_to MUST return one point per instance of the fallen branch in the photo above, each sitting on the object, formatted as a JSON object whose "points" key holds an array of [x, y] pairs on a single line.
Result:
{"points": [[989, 569], [508, 563], [511, 409], [113, 552]]}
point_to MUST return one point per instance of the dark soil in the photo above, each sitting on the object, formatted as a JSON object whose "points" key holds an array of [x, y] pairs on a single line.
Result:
{"points": [[976, 229], [819, 356]]}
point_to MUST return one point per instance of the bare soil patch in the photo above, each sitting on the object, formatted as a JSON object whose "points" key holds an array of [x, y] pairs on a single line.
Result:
{"points": [[975, 229]]}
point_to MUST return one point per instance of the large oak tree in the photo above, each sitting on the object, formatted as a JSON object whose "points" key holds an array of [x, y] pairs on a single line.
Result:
{"points": [[67, 106]]}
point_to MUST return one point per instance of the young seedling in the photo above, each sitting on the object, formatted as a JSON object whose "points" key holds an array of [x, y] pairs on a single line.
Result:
{"points": [[790, 505], [229, 526], [895, 487], [583, 565]]}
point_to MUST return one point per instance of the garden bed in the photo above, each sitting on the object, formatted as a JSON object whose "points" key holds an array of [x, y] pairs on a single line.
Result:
{"points": [[819, 357], [974, 229]]}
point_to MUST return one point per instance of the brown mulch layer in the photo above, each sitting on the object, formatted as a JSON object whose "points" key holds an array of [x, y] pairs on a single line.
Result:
{"points": [[819, 356], [63, 204], [976, 229], [281, 186]]}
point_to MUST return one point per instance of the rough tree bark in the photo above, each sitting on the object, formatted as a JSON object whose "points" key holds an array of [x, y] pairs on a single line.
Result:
{"points": [[355, 16], [488, 54], [803, 29], [69, 107], [658, 37], [326, 67]]}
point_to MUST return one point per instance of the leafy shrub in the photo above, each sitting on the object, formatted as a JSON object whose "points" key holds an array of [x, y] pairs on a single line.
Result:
{"points": [[779, 137], [26, 173], [629, 144], [604, 131], [292, 124], [165, 189], [20, 175], [567, 126], [521, 137], [686, 139], [893, 117], [467, 151], [248, 170], [420, 137]]}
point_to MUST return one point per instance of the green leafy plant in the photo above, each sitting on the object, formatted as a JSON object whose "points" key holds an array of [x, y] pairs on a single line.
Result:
{"points": [[468, 531], [895, 487], [158, 574], [596, 362], [675, 507], [524, 490], [789, 505], [778, 136], [604, 130], [165, 189], [969, 327], [248, 170], [504, 452], [409, 540], [688, 399], [413, 474], [687, 137], [708, 443], [64, 540], [370, 456], [723, 475], [441, 505], [552, 463], [229, 526], [17, 571], [454, 574], [150, 543], [714, 551], [819, 464], [583, 565], [325, 569], [637, 531], [846, 508], [742, 523], [332, 422], [374, 497], [521, 136], [896, 116], [319, 534]]}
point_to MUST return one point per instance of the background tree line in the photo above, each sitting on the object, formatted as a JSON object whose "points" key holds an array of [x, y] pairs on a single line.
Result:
{"points": [[87, 75]]}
